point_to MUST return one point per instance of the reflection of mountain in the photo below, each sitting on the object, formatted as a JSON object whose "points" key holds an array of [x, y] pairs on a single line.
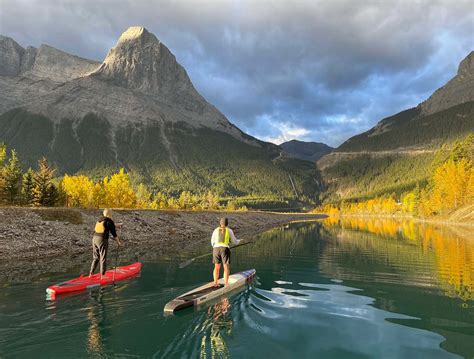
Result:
{"points": [[406, 242], [423, 271], [419, 270]]}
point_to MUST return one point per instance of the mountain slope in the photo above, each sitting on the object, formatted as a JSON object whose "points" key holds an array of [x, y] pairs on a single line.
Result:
{"points": [[396, 154], [139, 110], [309, 151], [460, 89]]}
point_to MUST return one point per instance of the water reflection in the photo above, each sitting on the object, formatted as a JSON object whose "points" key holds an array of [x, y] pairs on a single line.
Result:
{"points": [[409, 245], [338, 289], [217, 324], [95, 313]]}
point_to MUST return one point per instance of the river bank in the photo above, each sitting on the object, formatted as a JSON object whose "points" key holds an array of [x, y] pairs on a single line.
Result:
{"points": [[39, 241], [466, 221]]}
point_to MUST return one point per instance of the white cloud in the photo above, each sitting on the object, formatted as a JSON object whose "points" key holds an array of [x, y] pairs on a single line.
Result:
{"points": [[285, 131]]}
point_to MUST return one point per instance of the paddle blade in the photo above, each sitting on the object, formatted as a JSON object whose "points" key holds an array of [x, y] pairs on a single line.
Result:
{"points": [[185, 264]]}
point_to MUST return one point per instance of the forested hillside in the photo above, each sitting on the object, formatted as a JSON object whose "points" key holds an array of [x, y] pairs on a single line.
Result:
{"points": [[447, 190], [399, 153]]}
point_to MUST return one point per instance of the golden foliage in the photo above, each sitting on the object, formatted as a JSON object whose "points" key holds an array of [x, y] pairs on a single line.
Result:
{"points": [[118, 192], [451, 255], [451, 186], [79, 191]]}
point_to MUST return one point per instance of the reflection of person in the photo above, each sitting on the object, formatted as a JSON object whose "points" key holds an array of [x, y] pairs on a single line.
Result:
{"points": [[100, 241], [221, 238], [95, 313], [221, 322]]}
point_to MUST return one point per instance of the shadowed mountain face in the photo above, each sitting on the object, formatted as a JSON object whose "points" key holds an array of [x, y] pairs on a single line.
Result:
{"points": [[309, 151], [137, 109], [446, 115], [396, 154]]}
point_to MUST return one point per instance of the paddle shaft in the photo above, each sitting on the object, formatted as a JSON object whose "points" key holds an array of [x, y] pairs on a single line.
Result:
{"points": [[188, 262], [116, 256]]}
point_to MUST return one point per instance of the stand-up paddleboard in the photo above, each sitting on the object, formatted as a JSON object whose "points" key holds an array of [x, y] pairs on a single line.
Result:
{"points": [[208, 292], [86, 282]]}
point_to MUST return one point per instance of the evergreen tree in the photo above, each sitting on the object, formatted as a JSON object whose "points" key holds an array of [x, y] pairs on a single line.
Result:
{"points": [[27, 188], [45, 192], [12, 179]]}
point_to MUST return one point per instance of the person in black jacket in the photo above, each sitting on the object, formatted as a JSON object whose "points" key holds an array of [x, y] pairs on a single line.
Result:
{"points": [[100, 241]]}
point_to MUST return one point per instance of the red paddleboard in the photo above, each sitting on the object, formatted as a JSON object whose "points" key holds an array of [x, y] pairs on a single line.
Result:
{"points": [[86, 282]]}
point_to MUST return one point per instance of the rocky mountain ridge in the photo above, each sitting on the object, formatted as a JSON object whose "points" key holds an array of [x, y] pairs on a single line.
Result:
{"points": [[44, 62], [458, 90], [137, 110], [139, 81]]}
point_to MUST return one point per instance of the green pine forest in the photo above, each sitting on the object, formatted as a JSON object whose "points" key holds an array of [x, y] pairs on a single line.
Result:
{"points": [[239, 174]]}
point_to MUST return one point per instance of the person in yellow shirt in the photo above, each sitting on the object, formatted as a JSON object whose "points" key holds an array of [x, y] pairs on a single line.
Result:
{"points": [[221, 238], [104, 227]]}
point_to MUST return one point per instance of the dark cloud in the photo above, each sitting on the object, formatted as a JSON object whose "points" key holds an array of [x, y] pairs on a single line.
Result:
{"points": [[319, 70]]}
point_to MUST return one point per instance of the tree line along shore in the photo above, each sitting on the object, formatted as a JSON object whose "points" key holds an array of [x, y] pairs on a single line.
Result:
{"points": [[42, 188], [447, 195]]}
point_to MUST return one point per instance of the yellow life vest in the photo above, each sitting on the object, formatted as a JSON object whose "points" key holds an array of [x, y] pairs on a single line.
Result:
{"points": [[226, 237], [99, 227]]}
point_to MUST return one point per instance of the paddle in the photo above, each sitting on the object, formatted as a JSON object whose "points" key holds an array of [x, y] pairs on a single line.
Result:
{"points": [[117, 254], [188, 262]]}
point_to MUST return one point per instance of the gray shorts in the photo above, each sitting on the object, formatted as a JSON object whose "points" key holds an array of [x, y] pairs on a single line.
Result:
{"points": [[221, 255]]}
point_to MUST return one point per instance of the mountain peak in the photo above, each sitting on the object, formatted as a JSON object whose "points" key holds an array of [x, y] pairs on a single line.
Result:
{"points": [[458, 90], [10, 56], [466, 66], [137, 33], [140, 62]]}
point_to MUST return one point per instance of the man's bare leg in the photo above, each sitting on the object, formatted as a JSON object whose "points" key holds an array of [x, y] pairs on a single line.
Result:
{"points": [[217, 269], [226, 273]]}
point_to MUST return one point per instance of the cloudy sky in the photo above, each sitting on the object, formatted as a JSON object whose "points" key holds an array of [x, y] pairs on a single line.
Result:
{"points": [[311, 70]]}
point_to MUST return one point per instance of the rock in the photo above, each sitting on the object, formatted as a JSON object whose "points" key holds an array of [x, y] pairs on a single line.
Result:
{"points": [[139, 82], [139, 61], [10, 56], [28, 59], [48, 62]]}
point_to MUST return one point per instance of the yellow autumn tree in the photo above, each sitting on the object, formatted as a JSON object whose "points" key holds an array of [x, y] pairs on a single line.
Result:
{"points": [[99, 195], [143, 197], [160, 201], [450, 185], [409, 202], [118, 191], [470, 187], [79, 191]]}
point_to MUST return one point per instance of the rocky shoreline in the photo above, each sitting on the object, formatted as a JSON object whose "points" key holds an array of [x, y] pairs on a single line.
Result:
{"points": [[44, 240]]}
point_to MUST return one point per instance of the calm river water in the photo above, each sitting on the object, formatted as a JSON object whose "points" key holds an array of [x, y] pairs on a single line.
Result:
{"points": [[331, 289]]}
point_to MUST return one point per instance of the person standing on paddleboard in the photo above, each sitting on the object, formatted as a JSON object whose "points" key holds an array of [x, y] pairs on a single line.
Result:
{"points": [[221, 238], [100, 241]]}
